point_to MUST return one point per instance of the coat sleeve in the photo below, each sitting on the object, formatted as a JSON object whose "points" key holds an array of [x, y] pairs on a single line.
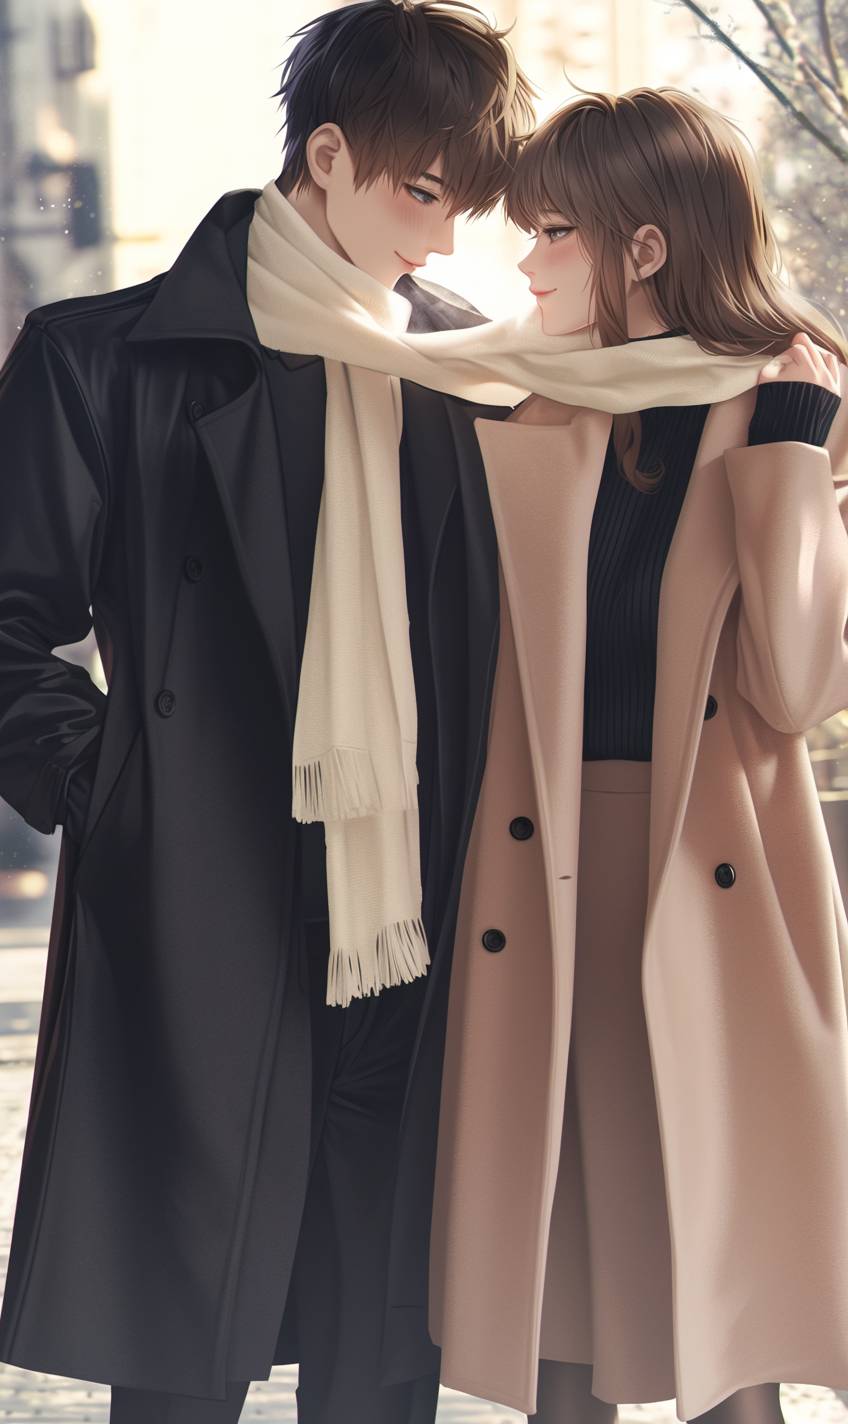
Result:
{"points": [[53, 514], [791, 511]]}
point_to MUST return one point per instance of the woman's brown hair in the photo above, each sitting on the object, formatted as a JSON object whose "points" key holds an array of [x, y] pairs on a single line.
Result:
{"points": [[607, 164]]}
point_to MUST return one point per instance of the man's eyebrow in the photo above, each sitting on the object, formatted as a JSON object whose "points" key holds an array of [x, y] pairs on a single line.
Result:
{"points": [[433, 179]]}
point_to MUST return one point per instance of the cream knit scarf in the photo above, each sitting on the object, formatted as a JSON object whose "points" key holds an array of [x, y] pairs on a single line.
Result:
{"points": [[355, 734]]}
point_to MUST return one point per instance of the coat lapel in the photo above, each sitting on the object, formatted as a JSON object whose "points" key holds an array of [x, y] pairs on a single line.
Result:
{"points": [[543, 514], [201, 299], [482, 596], [240, 444]]}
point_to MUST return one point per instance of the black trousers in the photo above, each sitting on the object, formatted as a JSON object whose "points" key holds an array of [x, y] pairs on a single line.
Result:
{"points": [[334, 1311]]}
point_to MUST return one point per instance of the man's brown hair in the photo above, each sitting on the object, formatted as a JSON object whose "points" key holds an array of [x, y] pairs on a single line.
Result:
{"points": [[607, 164], [405, 83]]}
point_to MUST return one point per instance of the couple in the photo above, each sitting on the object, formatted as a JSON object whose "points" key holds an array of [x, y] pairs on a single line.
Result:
{"points": [[405, 616]]}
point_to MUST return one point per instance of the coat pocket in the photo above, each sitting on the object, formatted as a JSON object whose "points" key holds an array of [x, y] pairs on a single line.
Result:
{"points": [[79, 783], [80, 816]]}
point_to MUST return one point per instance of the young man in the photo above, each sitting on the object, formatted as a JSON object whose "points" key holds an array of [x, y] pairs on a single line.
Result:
{"points": [[222, 1171]]}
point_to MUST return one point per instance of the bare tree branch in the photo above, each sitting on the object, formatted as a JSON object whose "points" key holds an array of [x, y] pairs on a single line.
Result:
{"points": [[768, 15], [834, 59], [795, 83], [829, 97], [794, 34], [829, 90], [839, 150]]}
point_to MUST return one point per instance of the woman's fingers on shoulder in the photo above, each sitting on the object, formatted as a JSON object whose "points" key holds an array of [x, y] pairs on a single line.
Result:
{"points": [[804, 360], [825, 362]]}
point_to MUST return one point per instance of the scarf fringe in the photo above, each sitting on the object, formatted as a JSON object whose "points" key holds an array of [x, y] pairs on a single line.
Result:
{"points": [[341, 783], [334, 786], [402, 955]]}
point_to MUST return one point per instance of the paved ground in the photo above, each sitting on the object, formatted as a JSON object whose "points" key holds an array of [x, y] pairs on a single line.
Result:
{"points": [[30, 1398]]}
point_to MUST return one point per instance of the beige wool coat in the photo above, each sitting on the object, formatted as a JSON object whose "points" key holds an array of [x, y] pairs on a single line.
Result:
{"points": [[744, 988]]}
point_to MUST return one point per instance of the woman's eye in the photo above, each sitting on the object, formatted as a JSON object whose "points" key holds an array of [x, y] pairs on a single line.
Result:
{"points": [[555, 233], [421, 195]]}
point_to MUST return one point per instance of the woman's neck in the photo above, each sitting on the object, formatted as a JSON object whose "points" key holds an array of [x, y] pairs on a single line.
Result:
{"points": [[638, 329], [641, 318]]}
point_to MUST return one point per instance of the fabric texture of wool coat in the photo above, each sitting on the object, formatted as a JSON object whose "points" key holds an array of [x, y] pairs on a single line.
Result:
{"points": [[164, 1166], [743, 984]]}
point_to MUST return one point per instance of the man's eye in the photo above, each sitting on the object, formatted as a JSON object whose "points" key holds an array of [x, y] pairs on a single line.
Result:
{"points": [[421, 195], [555, 233]]}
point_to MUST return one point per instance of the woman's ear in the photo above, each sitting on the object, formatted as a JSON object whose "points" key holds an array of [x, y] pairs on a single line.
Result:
{"points": [[648, 251], [326, 152]]}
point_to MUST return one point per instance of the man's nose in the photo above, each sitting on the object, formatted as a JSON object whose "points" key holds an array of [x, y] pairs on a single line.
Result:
{"points": [[442, 238]]}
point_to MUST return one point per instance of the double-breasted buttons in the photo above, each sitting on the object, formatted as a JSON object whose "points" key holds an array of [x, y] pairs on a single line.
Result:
{"points": [[166, 702], [711, 708], [196, 409], [725, 875], [521, 828], [192, 567]]}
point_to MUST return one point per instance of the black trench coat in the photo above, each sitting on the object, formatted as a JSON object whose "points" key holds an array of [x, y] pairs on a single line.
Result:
{"points": [[164, 1167]]}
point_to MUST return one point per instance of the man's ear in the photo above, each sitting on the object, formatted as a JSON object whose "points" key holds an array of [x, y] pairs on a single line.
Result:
{"points": [[648, 251], [326, 152]]}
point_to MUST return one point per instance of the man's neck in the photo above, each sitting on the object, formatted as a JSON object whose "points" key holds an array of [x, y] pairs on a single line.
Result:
{"points": [[309, 202]]}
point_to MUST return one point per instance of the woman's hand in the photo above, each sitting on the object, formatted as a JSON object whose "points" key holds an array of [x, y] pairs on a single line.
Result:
{"points": [[803, 361]]}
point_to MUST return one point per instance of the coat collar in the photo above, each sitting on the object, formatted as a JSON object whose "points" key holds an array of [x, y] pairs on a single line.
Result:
{"points": [[204, 292]]}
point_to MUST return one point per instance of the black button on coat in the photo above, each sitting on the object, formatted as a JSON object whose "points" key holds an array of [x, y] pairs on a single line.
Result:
{"points": [[166, 702], [164, 1169]]}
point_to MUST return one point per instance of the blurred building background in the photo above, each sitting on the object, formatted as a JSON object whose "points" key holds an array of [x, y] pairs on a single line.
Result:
{"points": [[54, 158]]}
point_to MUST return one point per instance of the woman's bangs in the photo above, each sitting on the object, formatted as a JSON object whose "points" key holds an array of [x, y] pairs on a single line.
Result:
{"points": [[539, 185]]}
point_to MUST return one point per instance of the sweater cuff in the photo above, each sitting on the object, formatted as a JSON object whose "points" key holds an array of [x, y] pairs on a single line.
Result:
{"points": [[792, 410]]}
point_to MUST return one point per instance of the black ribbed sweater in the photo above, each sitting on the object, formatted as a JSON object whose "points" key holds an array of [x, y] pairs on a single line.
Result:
{"points": [[630, 537]]}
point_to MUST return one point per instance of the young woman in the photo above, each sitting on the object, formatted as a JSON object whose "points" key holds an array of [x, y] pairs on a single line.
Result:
{"points": [[642, 1172]]}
